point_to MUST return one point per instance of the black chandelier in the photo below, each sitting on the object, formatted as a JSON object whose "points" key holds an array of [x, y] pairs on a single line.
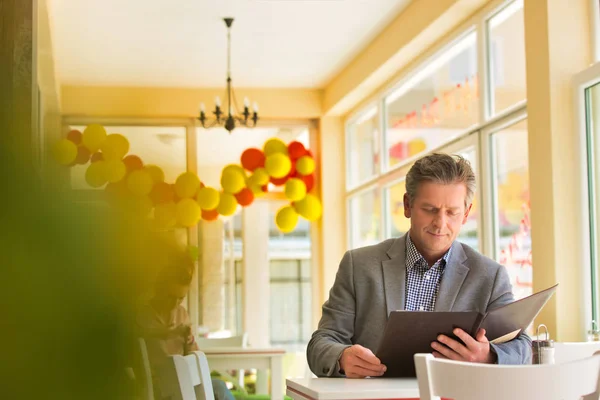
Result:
{"points": [[230, 117]]}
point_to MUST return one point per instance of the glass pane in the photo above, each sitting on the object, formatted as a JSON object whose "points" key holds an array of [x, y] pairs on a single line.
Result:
{"points": [[397, 224], [365, 212], [284, 269], [363, 147], [435, 106], [513, 226], [306, 311], [159, 145], [507, 56], [468, 233], [285, 313]]}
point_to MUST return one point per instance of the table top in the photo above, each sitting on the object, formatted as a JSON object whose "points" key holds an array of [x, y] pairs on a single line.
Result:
{"points": [[342, 388], [238, 351]]}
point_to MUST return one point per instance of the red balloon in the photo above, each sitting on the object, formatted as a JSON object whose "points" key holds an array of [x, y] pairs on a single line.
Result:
{"points": [[279, 181], [162, 193], [252, 159], [75, 136], [132, 163], [83, 155], [296, 150], [309, 181], [97, 156], [265, 188], [210, 215], [245, 197]]}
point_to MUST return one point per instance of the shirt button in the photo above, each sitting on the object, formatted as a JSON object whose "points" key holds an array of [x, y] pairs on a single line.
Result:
{"points": [[421, 308]]}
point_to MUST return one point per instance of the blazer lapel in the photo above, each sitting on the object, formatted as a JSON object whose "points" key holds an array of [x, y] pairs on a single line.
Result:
{"points": [[453, 278], [394, 275]]}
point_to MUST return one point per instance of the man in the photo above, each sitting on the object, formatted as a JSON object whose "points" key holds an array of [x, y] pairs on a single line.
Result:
{"points": [[165, 324], [424, 270]]}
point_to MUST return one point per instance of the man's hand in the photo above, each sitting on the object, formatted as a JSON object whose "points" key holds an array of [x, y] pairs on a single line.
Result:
{"points": [[182, 330], [359, 362], [475, 350]]}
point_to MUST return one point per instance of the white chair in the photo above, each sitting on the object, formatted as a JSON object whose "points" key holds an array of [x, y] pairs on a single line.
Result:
{"points": [[144, 374], [191, 380], [570, 351], [470, 381], [233, 341]]}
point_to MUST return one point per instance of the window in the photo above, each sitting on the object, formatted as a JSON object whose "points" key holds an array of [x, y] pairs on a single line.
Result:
{"points": [[232, 263], [363, 148], [365, 212], [397, 223], [511, 198], [435, 105], [506, 32]]}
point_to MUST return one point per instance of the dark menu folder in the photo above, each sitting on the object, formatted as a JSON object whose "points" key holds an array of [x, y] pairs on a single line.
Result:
{"points": [[410, 332]]}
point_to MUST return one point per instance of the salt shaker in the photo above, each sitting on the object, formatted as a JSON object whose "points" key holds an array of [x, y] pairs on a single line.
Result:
{"points": [[542, 350], [594, 333]]}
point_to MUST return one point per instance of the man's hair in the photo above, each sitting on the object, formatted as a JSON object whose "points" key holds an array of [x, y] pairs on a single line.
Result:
{"points": [[179, 270], [441, 168]]}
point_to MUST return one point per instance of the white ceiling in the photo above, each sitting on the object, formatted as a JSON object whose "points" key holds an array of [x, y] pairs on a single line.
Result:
{"points": [[182, 43]]}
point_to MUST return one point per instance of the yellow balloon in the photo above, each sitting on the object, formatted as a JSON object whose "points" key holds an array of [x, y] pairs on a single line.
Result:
{"points": [[260, 176], [235, 168], [187, 185], [94, 174], [208, 198], [188, 212], [64, 151], [295, 189], [114, 170], [140, 183], [137, 205], [286, 219], [309, 207], [165, 216], [275, 145], [232, 181], [156, 173], [93, 137], [256, 190], [278, 165], [305, 165], [115, 147], [227, 204]]}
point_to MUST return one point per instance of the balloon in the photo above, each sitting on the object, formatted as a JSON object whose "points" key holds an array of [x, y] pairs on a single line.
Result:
{"points": [[95, 174], [75, 136], [260, 176], [137, 205], [296, 150], [188, 212], [274, 146], [309, 207], [140, 183], [115, 147], [227, 204], [97, 156], [83, 155], [252, 159], [165, 215], [208, 198], [245, 197], [232, 180], [133, 163], [162, 193], [155, 172], [309, 181], [93, 137], [257, 190], [305, 165], [210, 215], [278, 165], [187, 185], [286, 219], [115, 170], [295, 189], [64, 152], [279, 181]]}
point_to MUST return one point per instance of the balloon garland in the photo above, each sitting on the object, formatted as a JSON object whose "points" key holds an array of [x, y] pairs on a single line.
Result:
{"points": [[135, 187]]}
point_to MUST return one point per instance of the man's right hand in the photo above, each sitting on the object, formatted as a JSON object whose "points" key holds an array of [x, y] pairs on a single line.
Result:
{"points": [[359, 362]]}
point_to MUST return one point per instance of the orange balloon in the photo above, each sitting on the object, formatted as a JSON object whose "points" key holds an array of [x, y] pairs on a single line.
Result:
{"points": [[245, 197], [309, 181], [162, 193], [279, 181], [252, 159], [75, 136], [132, 163], [97, 156], [296, 150], [210, 215], [83, 155]]}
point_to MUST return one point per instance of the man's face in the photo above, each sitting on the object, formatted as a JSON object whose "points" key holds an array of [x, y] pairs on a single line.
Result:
{"points": [[172, 294], [436, 216]]}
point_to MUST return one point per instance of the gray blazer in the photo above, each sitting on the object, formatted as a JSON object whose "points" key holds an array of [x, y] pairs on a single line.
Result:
{"points": [[370, 283]]}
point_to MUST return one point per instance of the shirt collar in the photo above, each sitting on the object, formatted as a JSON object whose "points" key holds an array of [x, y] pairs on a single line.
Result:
{"points": [[413, 256]]}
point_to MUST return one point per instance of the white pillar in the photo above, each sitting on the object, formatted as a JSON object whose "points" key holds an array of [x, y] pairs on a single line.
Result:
{"points": [[211, 275]]}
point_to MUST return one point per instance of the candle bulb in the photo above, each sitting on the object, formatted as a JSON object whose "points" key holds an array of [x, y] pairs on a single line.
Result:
{"points": [[246, 102], [255, 107], [218, 101]]}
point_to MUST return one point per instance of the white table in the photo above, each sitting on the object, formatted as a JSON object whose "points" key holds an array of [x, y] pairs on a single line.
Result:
{"points": [[228, 358], [352, 389]]}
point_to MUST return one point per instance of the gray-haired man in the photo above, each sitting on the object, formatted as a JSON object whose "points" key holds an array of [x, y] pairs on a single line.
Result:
{"points": [[425, 270]]}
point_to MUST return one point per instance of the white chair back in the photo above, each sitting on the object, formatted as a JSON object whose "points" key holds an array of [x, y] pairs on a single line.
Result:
{"points": [[193, 382], [234, 341], [144, 375], [570, 351], [469, 381]]}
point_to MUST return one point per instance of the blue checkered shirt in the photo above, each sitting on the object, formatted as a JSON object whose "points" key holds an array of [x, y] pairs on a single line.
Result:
{"points": [[422, 282]]}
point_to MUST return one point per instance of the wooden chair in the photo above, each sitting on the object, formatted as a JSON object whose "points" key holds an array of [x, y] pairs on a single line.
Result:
{"points": [[470, 381], [570, 351], [191, 378]]}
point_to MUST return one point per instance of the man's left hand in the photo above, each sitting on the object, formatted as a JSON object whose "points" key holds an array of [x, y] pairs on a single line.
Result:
{"points": [[475, 350]]}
